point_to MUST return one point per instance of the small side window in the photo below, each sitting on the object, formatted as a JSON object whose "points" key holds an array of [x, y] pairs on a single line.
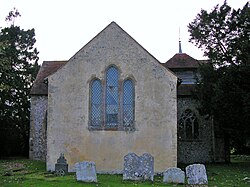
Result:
{"points": [[128, 103], [95, 103]]}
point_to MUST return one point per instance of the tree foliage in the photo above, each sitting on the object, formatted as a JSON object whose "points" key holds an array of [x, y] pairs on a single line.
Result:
{"points": [[224, 88], [18, 68], [223, 34]]}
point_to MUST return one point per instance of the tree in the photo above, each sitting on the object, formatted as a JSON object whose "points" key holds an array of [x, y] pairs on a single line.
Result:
{"points": [[18, 68], [224, 87]]}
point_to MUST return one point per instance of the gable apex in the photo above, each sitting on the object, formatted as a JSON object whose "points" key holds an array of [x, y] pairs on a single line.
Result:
{"points": [[113, 26], [111, 38]]}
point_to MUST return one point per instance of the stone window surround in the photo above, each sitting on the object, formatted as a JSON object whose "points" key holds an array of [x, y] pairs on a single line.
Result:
{"points": [[198, 139], [120, 126]]}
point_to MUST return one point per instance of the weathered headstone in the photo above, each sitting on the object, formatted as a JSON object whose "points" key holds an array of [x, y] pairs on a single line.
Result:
{"points": [[138, 168], [196, 174], [131, 164], [86, 171], [174, 175], [61, 167]]}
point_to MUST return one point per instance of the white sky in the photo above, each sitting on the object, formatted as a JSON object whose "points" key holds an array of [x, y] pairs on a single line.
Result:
{"points": [[62, 27]]}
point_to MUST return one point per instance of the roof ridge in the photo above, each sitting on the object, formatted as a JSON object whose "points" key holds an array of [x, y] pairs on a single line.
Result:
{"points": [[182, 60]]}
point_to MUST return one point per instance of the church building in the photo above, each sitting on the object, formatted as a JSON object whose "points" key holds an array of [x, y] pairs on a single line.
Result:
{"points": [[112, 98], [198, 140]]}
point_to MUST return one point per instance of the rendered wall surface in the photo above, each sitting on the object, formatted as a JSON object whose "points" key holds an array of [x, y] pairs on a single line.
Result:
{"points": [[37, 141], [155, 106]]}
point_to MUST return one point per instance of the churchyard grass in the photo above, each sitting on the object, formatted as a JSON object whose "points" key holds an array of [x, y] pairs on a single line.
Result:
{"points": [[235, 174], [24, 172]]}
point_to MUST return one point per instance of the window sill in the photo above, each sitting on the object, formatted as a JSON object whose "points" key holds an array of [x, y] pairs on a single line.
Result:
{"points": [[127, 129]]}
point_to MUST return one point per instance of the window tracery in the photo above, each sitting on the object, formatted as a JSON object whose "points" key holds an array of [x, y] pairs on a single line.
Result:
{"points": [[112, 102], [188, 126]]}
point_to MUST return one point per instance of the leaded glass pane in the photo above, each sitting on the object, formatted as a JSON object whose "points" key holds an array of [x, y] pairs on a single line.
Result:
{"points": [[128, 103], [181, 133], [189, 128], [96, 102], [196, 129], [188, 125], [112, 97]]}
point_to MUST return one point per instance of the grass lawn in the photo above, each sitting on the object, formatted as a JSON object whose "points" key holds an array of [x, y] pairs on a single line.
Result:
{"points": [[24, 172]]}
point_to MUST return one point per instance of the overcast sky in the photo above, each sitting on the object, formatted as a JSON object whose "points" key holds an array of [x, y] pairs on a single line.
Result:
{"points": [[64, 26]]}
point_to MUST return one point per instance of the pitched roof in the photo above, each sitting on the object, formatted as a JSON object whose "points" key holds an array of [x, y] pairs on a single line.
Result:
{"points": [[48, 67], [181, 60], [184, 62]]}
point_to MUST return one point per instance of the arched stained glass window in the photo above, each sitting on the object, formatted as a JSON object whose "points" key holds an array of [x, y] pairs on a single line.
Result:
{"points": [[112, 102], [188, 125], [96, 103], [128, 103], [112, 97]]}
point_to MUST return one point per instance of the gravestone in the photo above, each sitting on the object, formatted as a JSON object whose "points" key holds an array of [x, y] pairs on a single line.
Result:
{"points": [[86, 171], [138, 168], [196, 174], [61, 167], [174, 175]]}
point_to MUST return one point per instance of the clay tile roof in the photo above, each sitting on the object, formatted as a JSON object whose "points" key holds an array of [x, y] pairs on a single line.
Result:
{"points": [[48, 67], [181, 60]]}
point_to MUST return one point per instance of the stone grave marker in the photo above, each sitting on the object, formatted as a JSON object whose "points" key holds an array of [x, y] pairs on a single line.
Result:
{"points": [[138, 168], [174, 175], [61, 167], [86, 171], [196, 174]]}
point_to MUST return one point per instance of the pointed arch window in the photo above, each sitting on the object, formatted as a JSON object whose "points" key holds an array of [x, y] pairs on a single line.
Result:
{"points": [[128, 103], [112, 102], [96, 103], [188, 126], [112, 97]]}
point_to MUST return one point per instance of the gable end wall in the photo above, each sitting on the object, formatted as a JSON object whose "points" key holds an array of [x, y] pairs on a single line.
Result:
{"points": [[155, 107]]}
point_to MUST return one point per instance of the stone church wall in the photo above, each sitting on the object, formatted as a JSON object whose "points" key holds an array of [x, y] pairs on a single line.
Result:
{"points": [[195, 151], [37, 150], [155, 106]]}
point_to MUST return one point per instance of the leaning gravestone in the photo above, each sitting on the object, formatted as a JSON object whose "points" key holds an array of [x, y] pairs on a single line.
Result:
{"points": [[61, 167], [196, 174], [138, 168], [86, 171], [174, 175]]}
